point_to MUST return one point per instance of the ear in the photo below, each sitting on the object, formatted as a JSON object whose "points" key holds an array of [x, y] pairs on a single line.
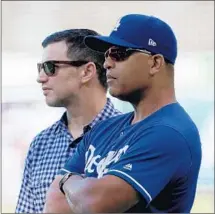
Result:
{"points": [[88, 72], [156, 62]]}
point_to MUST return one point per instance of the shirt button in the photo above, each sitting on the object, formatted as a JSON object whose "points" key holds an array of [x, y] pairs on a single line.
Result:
{"points": [[121, 133]]}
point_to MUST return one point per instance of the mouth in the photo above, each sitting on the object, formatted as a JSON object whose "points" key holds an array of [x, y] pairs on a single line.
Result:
{"points": [[109, 81], [46, 90], [110, 78]]}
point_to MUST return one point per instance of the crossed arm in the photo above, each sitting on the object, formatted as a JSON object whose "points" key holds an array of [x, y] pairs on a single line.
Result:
{"points": [[90, 195]]}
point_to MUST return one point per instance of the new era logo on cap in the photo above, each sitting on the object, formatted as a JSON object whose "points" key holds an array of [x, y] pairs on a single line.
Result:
{"points": [[152, 43]]}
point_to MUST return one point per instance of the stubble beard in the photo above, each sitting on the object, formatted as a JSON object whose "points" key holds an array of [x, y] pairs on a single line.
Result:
{"points": [[133, 97], [55, 103]]}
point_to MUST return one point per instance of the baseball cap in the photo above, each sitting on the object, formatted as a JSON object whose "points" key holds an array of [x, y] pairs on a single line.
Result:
{"points": [[140, 32]]}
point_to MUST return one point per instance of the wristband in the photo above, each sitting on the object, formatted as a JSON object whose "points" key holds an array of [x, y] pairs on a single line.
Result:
{"points": [[65, 178]]}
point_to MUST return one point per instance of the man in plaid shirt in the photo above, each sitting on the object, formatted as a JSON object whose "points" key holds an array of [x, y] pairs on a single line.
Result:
{"points": [[71, 76]]}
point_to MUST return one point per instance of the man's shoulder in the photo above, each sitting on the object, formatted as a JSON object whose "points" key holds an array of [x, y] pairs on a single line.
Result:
{"points": [[50, 129], [181, 121], [45, 134], [172, 116]]}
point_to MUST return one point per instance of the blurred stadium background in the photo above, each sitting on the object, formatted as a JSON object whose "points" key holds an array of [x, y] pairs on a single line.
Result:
{"points": [[24, 112]]}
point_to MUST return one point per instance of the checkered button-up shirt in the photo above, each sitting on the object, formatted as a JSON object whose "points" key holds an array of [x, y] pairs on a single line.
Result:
{"points": [[47, 154]]}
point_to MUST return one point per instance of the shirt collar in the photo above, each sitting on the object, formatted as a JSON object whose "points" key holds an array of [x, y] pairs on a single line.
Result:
{"points": [[102, 115]]}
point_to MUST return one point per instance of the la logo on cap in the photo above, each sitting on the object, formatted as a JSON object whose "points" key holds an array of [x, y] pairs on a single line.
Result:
{"points": [[117, 25]]}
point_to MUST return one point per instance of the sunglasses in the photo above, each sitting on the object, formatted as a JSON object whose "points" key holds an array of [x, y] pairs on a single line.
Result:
{"points": [[120, 54], [49, 67]]}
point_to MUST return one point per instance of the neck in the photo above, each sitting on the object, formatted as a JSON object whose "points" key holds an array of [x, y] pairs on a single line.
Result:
{"points": [[86, 107], [153, 102]]}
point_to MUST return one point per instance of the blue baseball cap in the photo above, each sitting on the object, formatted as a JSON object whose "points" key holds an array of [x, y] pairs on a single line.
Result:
{"points": [[140, 32]]}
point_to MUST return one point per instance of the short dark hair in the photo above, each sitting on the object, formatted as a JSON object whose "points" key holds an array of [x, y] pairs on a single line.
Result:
{"points": [[77, 50]]}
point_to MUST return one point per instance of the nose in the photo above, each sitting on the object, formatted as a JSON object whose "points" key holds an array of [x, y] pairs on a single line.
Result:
{"points": [[109, 63], [42, 77]]}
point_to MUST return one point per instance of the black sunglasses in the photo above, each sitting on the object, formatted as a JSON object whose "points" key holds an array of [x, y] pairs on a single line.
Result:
{"points": [[49, 66], [120, 54]]}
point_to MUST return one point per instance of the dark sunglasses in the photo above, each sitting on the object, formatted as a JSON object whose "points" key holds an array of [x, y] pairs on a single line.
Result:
{"points": [[49, 66], [121, 54]]}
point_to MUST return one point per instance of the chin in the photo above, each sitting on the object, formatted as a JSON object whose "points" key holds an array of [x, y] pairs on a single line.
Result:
{"points": [[118, 95], [53, 103], [133, 97], [113, 93]]}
